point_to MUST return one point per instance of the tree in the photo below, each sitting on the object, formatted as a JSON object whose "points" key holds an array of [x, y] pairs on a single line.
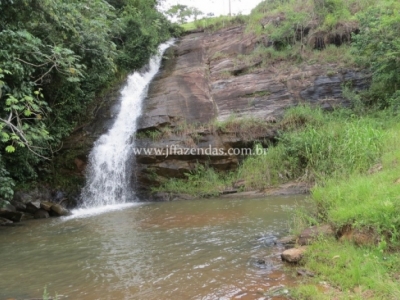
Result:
{"points": [[55, 57], [195, 12], [178, 11], [183, 12]]}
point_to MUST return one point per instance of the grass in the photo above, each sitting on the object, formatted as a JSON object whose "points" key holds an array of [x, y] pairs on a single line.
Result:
{"points": [[247, 128], [280, 17], [313, 146], [201, 182], [350, 273], [367, 201]]}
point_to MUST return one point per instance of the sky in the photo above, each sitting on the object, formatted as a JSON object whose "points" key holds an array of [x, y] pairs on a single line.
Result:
{"points": [[218, 7]]}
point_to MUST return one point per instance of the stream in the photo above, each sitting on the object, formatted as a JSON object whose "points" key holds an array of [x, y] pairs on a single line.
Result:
{"points": [[206, 249]]}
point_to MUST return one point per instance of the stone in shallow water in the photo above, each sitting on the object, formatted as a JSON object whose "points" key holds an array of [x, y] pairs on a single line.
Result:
{"points": [[46, 205], [33, 206], [5, 222], [41, 214], [287, 240], [14, 216], [59, 210], [19, 206]]}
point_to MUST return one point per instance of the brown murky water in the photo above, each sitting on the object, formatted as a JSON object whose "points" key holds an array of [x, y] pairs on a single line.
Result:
{"points": [[204, 249]]}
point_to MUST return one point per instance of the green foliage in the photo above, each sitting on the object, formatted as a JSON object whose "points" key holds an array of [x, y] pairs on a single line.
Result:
{"points": [[284, 34], [369, 202], [56, 56], [6, 183], [263, 170], [143, 28], [314, 146], [378, 47], [201, 182], [336, 148], [365, 200], [331, 11]]}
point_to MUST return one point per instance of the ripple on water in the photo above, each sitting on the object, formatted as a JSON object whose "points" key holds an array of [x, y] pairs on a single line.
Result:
{"points": [[149, 251]]}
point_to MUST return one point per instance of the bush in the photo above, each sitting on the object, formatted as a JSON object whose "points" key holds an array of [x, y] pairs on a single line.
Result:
{"points": [[377, 47]]}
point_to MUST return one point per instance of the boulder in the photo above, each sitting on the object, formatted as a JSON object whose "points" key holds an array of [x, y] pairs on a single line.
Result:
{"points": [[45, 205], [60, 211], [32, 207], [293, 255], [19, 206], [39, 193], [41, 214], [27, 216], [287, 240], [5, 205], [5, 222], [14, 216], [308, 235]]}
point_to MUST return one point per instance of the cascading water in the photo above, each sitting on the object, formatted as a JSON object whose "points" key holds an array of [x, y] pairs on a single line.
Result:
{"points": [[109, 173]]}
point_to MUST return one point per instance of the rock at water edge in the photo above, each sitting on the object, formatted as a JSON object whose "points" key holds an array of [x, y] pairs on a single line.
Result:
{"points": [[293, 255]]}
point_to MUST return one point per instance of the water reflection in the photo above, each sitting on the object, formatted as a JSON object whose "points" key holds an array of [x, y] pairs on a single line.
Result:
{"points": [[181, 250]]}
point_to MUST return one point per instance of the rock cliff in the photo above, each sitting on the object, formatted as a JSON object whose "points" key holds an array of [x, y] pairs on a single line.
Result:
{"points": [[210, 78]]}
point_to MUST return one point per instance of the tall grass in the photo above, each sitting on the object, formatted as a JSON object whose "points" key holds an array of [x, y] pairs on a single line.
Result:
{"points": [[314, 146], [366, 200], [201, 182]]}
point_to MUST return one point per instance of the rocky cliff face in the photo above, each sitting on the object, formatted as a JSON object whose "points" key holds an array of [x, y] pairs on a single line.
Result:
{"points": [[208, 78]]}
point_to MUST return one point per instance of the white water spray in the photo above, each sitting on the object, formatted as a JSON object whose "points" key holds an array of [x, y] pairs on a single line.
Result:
{"points": [[109, 171]]}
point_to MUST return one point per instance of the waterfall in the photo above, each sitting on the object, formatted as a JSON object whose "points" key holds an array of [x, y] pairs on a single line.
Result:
{"points": [[108, 176]]}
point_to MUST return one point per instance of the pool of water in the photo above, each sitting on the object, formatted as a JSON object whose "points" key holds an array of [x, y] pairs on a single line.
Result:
{"points": [[207, 249]]}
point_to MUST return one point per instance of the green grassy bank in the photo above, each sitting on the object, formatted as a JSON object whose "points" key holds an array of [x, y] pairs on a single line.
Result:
{"points": [[368, 202]]}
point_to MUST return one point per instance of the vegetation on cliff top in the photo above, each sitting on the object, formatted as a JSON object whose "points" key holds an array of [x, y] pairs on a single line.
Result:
{"points": [[56, 57]]}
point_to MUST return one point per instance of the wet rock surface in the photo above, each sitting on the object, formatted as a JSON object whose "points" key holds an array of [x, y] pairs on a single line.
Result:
{"points": [[59, 210], [5, 222], [41, 214], [14, 216], [30, 205]]}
